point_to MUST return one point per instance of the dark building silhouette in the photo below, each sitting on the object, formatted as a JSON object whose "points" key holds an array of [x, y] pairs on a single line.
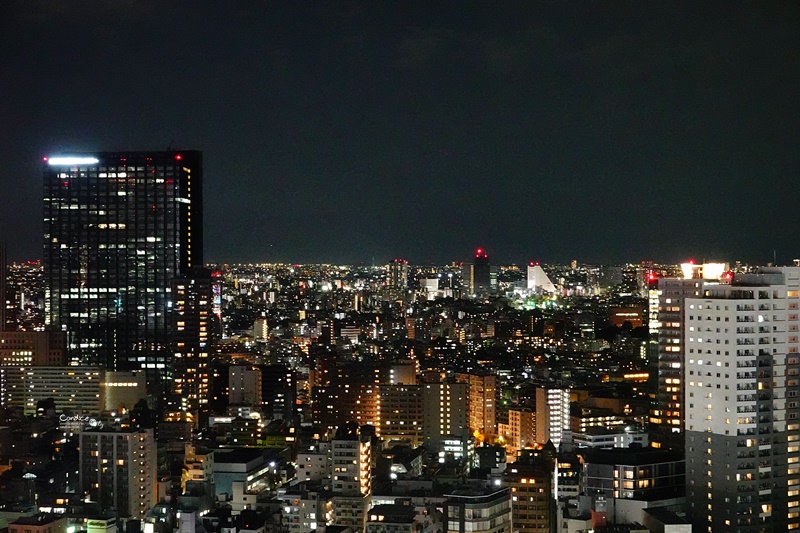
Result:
{"points": [[3, 285], [118, 228], [478, 276]]}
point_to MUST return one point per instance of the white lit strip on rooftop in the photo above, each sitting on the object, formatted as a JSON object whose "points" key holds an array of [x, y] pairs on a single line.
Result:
{"points": [[71, 160]]}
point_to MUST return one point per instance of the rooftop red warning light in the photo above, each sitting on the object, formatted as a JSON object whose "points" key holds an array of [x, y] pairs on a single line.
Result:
{"points": [[178, 157]]}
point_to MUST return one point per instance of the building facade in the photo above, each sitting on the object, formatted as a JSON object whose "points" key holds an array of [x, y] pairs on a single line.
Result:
{"points": [[118, 228], [73, 389], [742, 426], [479, 511], [482, 399], [32, 348], [194, 327], [118, 470], [667, 413]]}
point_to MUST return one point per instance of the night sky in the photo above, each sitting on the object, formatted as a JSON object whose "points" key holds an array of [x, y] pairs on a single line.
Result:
{"points": [[359, 132]]}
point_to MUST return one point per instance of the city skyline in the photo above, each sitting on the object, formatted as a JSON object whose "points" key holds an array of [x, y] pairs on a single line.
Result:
{"points": [[344, 132]]}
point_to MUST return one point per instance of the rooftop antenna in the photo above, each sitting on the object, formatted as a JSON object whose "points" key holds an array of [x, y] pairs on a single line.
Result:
{"points": [[169, 148]]}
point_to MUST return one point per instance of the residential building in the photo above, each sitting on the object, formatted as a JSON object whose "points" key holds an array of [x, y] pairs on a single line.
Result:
{"points": [[478, 511], [445, 414], [402, 414], [482, 401], [668, 410], [244, 385], [743, 403], [118, 470], [193, 331]]}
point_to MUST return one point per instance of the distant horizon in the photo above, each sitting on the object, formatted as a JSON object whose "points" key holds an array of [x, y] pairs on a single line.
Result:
{"points": [[413, 263]]}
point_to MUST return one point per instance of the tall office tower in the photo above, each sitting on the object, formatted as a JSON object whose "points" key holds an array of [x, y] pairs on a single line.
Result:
{"points": [[118, 470], [743, 403], [482, 271], [482, 400], [667, 412], [478, 277], [194, 325], [118, 228]]}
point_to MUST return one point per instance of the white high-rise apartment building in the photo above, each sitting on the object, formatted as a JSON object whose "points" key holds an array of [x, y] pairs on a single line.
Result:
{"points": [[742, 400], [552, 415]]}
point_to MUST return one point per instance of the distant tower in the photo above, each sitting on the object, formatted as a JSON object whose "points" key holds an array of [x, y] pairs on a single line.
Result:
{"points": [[538, 280], [119, 227], [3, 285], [478, 276], [397, 279], [398, 274]]}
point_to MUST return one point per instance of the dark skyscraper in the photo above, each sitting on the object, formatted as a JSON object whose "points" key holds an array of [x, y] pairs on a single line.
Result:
{"points": [[479, 278], [3, 285], [118, 228]]}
